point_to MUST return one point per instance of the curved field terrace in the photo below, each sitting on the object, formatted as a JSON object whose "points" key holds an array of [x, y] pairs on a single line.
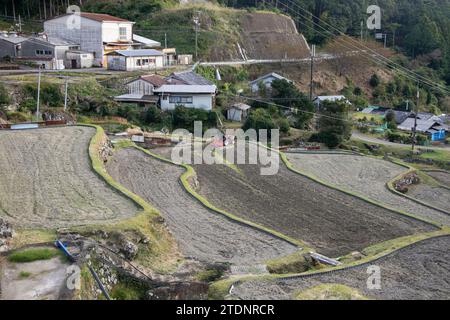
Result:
{"points": [[420, 271], [441, 176], [365, 176], [201, 233], [328, 220], [46, 181]]}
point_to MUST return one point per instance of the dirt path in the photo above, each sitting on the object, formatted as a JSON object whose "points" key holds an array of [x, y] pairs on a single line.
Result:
{"points": [[421, 271], [360, 136], [201, 233], [46, 180], [365, 176]]}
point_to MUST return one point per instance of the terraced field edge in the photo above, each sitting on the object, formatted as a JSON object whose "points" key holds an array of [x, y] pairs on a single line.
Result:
{"points": [[190, 173]]}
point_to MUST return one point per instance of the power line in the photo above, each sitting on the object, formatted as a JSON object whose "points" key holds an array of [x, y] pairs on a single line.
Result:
{"points": [[380, 58]]}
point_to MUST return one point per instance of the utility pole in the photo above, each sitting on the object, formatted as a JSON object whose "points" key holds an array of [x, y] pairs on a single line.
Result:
{"points": [[362, 30], [38, 95], [414, 132], [197, 24], [65, 95], [165, 40], [20, 24], [311, 82]]}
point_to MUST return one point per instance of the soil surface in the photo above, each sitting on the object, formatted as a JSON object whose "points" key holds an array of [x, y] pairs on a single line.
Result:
{"points": [[330, 221], [201, 233], [442, 177], [438, 197], [39, 280], [46, 180], [365, 176], [271, 36], [420, 271]]}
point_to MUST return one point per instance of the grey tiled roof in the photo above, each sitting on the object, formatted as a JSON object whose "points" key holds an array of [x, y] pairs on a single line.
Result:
{"points": [[191, 78]]}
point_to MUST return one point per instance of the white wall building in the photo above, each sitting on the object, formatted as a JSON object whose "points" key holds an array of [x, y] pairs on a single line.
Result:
{"points": [[192, 92], [266, 81], [190, 96], [96, 33], [132, 60]]}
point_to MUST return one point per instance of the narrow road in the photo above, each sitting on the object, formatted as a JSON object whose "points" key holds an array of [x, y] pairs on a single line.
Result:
{"points": [[359, 136]]}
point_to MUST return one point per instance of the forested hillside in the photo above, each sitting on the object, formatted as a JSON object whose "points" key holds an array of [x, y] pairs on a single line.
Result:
{"points": [[420, 27]]}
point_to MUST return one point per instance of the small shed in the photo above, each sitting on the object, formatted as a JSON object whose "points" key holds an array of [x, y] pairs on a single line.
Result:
{"points": [[184, 59], [238, 112], [76, 59]]}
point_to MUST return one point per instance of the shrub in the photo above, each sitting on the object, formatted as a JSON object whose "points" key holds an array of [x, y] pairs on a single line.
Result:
{"points": [[374, 81]]}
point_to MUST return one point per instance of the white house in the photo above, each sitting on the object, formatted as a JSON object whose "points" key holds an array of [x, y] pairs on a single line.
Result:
{"points": [[96, 33], [190, 96], [131, 60], [192, 92], [238, 112], [266, 80], [319, 99]]}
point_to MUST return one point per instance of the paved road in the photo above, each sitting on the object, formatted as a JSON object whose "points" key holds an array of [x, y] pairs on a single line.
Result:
{"points": [[363, 137]]}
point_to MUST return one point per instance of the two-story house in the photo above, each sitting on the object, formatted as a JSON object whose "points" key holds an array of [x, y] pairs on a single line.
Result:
{"points": [[96, 33], [184, 88]]}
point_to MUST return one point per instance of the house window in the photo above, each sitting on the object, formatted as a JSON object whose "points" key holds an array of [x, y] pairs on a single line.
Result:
{"points": [[180, 99], [43, 52], [122, 33]]}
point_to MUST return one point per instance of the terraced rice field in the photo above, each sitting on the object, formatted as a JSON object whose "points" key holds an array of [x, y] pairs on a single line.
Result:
{"points": [[201, 233], [365, 176], [441, 176], [436, 196], [330, 221], [46, 181], [420, 271]]}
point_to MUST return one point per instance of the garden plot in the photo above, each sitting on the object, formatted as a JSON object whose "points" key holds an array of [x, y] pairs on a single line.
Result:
{"points": [[365, 176], [440, 176], [328, 220], [437, 196], [420, 271], [201, 233], [46, 181]]}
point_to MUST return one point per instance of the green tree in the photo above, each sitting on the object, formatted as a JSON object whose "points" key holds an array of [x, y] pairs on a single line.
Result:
{"points": [[334, 127], [374, 80], [259, 119], [286, 94]]}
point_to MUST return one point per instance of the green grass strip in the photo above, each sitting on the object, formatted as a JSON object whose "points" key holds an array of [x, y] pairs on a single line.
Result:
{"points": [[33, 254]]}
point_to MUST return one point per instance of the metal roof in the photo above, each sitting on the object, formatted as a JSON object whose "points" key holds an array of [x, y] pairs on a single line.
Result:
{"points": [[12, 37], [100, 17], [422, 125], [56, 41], [273, 74], [146, 41], [138, 53], [181, 88], [190, 77], [240, 106]]}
